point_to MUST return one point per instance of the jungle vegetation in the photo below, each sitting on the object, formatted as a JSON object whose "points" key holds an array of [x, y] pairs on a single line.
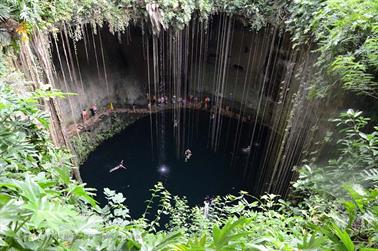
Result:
{"points": [[332, 206]]}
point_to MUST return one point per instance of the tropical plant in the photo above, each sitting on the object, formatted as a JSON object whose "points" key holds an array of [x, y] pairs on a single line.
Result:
{"points": [[351, 181], [344, 37], [42, 208], [356, 162]]}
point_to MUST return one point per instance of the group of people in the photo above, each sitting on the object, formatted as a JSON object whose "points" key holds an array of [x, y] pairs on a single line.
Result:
{"points": [[153, 100], [205, 103], [92, 112], [163, 100]]}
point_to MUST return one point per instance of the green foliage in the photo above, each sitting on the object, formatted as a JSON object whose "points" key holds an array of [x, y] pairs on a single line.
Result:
{"points": [[116, 213], [353, 74], [175, 13], [233, 222], [356, 162], [346, 187], [345, 35], [257, 14], [38, 197], [42, 208]]}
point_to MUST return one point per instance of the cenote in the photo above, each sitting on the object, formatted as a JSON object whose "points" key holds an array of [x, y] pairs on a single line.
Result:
{"points": [[274, 101], [255, 101], [208, 173]]}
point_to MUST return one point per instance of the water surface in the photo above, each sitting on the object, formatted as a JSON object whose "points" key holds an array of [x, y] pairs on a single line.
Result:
{"points": [[207, 173]]}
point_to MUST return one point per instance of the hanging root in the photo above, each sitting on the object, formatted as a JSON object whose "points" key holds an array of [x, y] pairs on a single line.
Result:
{"points": [[155, 17]]}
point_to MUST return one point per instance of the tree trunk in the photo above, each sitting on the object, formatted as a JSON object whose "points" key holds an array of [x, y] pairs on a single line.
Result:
{"points": [[59, 137]]}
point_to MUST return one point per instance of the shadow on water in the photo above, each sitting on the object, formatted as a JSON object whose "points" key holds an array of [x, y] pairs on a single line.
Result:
{"points": [[207, 173]]}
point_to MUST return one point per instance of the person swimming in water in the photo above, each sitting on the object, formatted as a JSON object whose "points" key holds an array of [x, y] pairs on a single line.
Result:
{"points": [[188, 154], [175, 123], [246, 149], [118, 167]]}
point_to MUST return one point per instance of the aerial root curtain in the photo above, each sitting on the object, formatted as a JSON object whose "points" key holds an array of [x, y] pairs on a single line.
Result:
{"points": [[271, 80]]}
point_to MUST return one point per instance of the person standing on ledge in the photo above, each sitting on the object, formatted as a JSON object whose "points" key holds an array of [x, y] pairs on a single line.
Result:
{"points": [[207, 102], [206, 209], [84, 115], [93, 110]]}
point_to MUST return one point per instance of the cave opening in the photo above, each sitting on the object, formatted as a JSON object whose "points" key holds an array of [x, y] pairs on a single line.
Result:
{"points": [[246, 76]]}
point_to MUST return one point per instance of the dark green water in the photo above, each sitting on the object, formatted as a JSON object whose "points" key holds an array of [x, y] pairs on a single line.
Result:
{"points": [[207, 173]]}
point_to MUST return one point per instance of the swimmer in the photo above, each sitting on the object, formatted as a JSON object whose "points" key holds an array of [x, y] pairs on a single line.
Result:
{"points": [[175, 123], [246, 149], [118, 167], [188, 154]]}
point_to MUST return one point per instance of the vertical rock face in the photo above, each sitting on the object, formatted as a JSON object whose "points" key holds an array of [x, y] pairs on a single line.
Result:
{"points": [[121, 80], [103, 68]]}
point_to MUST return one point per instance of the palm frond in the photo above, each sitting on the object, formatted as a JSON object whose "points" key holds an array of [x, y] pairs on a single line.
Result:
{"points": [[370, 174]]}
